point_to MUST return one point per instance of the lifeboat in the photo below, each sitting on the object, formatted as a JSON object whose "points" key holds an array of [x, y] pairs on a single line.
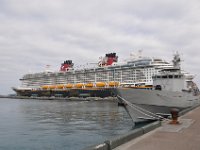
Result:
{"points": [[100, 84], [69, 85], [79, 85], [60, 86], [52, 87], [45, 87], [113, 83], [89, 85]]}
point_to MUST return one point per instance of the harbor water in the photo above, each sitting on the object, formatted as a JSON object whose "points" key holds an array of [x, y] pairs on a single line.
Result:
{"points": [[59, 124]]}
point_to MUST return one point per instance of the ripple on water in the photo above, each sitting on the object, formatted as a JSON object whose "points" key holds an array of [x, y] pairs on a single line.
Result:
{"points": [[43, 124]]}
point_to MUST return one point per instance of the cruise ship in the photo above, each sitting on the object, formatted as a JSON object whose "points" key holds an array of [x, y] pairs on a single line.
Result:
{"points": [[96, 81]]}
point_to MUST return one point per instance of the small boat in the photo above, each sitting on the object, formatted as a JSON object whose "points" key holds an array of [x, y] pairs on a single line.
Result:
{"points": [[68, 85], [60, 86], [89, 85], [52, 87], [45, 87], [113, 84], [79, 85], [100, 84]]}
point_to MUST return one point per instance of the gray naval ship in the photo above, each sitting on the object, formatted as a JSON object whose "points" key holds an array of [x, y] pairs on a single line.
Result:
{"points": [[171, 88]]}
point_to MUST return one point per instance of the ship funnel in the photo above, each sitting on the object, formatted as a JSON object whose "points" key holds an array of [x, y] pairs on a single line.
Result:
{"points": [[108, 60], [66, 65]]}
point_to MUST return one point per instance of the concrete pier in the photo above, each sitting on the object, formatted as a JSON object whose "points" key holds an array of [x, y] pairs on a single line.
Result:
{"points": [[184, 136]]}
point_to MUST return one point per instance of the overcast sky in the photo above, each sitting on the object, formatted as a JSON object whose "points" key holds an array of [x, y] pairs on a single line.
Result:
{"points": [[34, 33]]}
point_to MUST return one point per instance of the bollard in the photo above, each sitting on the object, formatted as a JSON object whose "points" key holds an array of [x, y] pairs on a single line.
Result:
{"points": [[175, 115]]}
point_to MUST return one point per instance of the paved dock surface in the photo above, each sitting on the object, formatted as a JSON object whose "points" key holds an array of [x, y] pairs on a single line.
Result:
{"points": [[185, 136]]}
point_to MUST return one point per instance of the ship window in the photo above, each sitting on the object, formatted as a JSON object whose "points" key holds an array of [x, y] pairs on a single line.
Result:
{"points": [[170, 76], [158, 87], [164, 77], [176, 76]]}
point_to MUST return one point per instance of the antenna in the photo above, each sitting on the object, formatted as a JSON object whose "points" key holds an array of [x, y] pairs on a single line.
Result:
{"points": [[139, 53], [47, 68]]}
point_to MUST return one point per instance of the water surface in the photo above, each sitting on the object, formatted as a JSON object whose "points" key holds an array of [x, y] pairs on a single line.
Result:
{"points": [[59, 124]]}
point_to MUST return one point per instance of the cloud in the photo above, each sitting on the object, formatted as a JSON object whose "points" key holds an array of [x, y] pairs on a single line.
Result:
{"points": [[36, 33]]}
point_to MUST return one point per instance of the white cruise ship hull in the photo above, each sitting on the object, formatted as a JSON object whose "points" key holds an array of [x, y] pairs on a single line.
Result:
{"points": [[154, 101]]}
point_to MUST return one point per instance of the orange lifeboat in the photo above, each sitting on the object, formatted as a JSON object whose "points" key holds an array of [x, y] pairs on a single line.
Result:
{"points": [[69, 85], [100, 84], [52, 87], [60, 86], [45, 87], [113, 83], [89, 85], [79, 85]]}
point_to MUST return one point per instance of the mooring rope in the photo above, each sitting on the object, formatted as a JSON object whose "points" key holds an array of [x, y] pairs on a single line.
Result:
{"points": [[141, 110]]}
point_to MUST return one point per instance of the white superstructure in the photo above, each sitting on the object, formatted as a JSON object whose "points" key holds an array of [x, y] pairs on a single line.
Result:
{"points": [[137, 70]]}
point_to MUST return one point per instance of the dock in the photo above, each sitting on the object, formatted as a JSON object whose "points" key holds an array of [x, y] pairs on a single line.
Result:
{"points": [[183, 136]]}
